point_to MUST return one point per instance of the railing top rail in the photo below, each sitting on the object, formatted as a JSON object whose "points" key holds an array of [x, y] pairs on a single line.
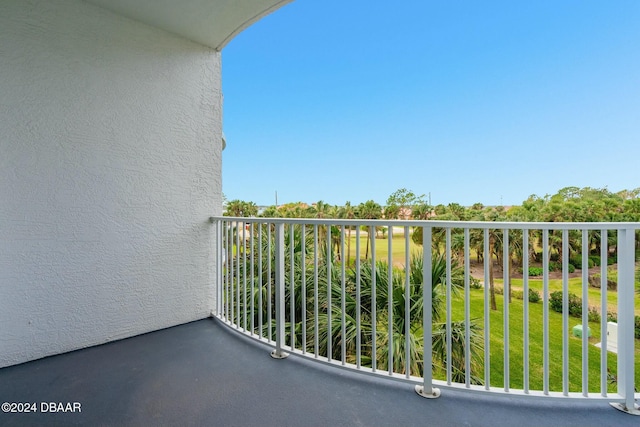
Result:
{"points": [[444, 224]]}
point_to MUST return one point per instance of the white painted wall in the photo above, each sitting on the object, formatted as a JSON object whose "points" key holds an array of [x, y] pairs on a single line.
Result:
{"points": [[110, 166]]}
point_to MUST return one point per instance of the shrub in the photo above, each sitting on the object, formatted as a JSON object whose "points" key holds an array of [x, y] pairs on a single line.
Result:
{"points": [[557, 266], [594, 314], [637, 330], [534, 296], [474, 283], [499, 290], [554, 257], [596, 260], [555, 301], [537, 256], [576, 261], [535, 271], [518, 294], [575, 303], [611, 260], [612, 316]]}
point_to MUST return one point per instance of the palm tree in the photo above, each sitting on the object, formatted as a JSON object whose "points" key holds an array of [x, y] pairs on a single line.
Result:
{"points": [[347, 212], [391, 332], [369, 210]]}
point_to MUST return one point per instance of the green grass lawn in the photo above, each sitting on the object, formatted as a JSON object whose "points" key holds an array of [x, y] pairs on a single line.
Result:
{"points": [[382, 248], [516, 340]]}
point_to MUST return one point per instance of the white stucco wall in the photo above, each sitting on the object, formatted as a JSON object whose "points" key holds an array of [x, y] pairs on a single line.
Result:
{"points": [[110, 159]]}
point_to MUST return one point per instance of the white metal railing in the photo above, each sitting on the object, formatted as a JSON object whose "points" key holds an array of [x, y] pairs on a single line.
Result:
{"points": [[309, 287]]}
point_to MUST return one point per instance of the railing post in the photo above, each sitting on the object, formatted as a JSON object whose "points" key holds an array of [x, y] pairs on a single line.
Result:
{"points": [[426, 389], [219, 267], [626, 340], [278, 353]]}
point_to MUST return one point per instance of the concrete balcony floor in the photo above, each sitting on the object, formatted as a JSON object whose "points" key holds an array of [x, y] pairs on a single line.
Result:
{"points": [[202, 374]]}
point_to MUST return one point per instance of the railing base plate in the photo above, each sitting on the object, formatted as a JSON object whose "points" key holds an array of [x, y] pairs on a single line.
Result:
{"points": [[622, 407], [279, 354], [435, 392]]}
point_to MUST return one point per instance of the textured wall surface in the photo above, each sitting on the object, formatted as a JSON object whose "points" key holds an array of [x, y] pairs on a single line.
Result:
{"points": [[110, 166]]}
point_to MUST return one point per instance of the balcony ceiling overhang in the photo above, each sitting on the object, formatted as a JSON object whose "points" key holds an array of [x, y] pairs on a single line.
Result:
{"points": [[212, 23]]}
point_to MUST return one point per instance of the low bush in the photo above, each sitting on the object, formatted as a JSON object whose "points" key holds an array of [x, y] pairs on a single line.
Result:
{"points": [[596, 260], [557, 266], [535, 271], [576, 261], [594, 314], [575, 303], [475, 283], [534, 296]]}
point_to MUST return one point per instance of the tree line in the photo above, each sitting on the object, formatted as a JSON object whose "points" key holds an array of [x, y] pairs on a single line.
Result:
{"points": [[570, 204]]}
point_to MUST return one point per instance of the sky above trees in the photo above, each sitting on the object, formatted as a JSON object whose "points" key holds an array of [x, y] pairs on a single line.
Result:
{"points": [[464, 101]]}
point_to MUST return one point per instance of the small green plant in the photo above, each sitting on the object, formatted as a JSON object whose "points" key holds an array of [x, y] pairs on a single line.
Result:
{"points": [[575, 303], [534, 296], [557, 266], [535, 271], [594, 314]]}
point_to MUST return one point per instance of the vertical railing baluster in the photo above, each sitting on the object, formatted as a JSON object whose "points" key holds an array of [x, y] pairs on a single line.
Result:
{"points": [[407, 305], [585, 312], [230, 279], [292, 292], [467, 312], [604, 312], [316, 330], [343, 300], [278, 353], [244, 276], [269, 284], [253, 268], [329, 307], [525, 311], [506, 291], [234, 251], [390, 301], [238, 316], [626, 341], [448, 336], [426, 389], [358, 301], [565, 312], [374, 315], [303, 286], [487, 313], [545, 311], [221, 269], [260, 273]]}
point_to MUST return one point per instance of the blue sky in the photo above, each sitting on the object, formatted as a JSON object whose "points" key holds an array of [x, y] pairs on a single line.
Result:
{"points": [[470, 101]]}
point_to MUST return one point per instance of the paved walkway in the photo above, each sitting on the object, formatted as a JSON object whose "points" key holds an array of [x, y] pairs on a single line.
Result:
{"points": [[202, 374]]}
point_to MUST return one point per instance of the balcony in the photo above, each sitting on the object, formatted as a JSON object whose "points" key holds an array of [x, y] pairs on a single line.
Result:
{"points": [[203, 373], [529, 369]]}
